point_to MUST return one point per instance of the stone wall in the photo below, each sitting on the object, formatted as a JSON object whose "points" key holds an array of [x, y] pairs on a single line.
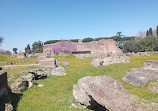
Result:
{"points": [[95, 47], [47, 50], [49, 62], [150, 64], [3, 83], [138, 54], [20, 55], [99, 47]]}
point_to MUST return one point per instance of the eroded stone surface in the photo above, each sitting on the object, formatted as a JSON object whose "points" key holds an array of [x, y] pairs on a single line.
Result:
{"points": [[66, 63], [102, 93], [58, 71], [142, 76]]}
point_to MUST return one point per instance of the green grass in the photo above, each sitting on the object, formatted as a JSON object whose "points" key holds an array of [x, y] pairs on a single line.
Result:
{"points": [[56, 95], [32, 61], [13, 74], [4, 59]]}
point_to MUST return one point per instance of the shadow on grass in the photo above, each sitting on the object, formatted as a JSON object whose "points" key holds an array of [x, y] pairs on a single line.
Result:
{"points": [[15, 98], [12, 99]]}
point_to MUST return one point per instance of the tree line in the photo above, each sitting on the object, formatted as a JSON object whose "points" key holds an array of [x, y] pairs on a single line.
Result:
{"points": [[118, 38], [149, 42], [37, 47]]}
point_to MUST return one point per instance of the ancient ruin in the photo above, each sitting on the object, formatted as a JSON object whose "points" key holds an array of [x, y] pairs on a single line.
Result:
{"points": [[98, 62], [143, 75], [3, 83], [100, 47], [102, 93]]}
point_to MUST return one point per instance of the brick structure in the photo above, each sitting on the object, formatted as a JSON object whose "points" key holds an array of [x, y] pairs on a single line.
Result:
{"points": [[3, 83], [99, 47], [20, 55], [48, 62], [95, 47]]}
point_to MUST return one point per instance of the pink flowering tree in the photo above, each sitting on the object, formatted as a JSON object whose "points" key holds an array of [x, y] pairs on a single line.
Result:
{"points": [[64, 47]]}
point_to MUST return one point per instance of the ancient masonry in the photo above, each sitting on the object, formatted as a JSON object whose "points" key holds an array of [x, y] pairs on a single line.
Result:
{"points": [[3, 83], [95, 47]]}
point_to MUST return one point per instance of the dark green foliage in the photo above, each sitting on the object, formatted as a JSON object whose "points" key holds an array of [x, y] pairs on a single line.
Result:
{"points": [[1, 40], [100, 38], [28, 49], [51, 41], [74, 40], [15, 50], [128, 38], [37, 47], [150, 32], [119, 34], [157, 31], [148, 43], [116, 38], [87, 39], [147, 33]]}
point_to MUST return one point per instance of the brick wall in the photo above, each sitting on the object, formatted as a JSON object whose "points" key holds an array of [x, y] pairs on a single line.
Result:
{"points": [[100, 47], [95, 47]]}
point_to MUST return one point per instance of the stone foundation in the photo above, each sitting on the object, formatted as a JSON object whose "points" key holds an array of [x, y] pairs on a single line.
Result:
{"points": [[3, 83], [150, 64], [49, 62]]}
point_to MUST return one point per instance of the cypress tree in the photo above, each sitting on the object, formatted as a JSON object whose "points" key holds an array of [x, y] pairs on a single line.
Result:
{"points": [[147, 33], [157, 31], [150, 32]]}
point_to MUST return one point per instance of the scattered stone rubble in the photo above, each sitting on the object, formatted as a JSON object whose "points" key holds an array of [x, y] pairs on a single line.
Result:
{"points": [[142, 76], [66, 63], [98, 62], [102, 93], [58, 71], [23, 83], [5, 104]]}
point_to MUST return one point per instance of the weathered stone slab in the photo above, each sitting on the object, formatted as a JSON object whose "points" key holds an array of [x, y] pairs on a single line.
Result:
{"points": [[141, 76], [150, 64], [3, 83], [49, 62], [58, 71], [101, 93]]}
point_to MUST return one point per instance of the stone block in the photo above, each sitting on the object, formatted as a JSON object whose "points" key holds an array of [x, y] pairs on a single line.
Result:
{"points": [[150, 64], [49, 62], [3, 83]]}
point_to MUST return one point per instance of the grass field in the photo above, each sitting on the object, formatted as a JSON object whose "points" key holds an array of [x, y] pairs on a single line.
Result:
{"points": [[56, 95], [4, 59]]}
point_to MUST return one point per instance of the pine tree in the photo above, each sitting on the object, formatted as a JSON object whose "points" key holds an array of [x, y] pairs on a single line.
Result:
{"points": [[147, 33], [150, 32]]}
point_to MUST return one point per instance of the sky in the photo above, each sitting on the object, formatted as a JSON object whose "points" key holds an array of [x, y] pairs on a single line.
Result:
{"points": [[23, 22]]}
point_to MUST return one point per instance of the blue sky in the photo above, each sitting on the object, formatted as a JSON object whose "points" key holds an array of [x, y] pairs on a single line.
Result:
{"points": [[24, 21]]}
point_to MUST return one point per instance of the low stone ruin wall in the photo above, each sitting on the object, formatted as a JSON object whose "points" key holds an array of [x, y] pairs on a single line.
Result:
{"points": [[3, 83], [94, 55], [138, 54], [150, 64], [98, 62], [49, 62], [19, 66]]}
